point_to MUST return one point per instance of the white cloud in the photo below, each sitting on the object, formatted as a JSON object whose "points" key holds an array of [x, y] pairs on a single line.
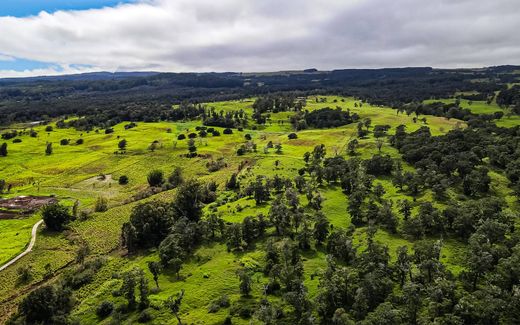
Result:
{"points": [[240, 35]]}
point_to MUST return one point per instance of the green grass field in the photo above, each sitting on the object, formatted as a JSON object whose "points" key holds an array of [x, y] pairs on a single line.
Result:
{"points": [[72, 173]]}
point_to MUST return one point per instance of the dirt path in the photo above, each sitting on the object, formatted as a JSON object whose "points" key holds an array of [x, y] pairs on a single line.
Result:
{"points": [[27, 250]]}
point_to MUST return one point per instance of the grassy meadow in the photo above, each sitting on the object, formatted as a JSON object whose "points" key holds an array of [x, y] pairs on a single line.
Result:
{"points": [[74, 172]]}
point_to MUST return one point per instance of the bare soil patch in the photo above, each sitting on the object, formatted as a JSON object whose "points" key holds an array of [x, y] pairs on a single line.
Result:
{"points": [[23, 205]]}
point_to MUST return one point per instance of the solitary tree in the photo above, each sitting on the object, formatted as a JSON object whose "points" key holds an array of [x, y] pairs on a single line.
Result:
{"points": [[155, 269], [122, 145], [192, 149], [245, 282], [56, 216], [174, 304], [48, 149], [3, 149]]}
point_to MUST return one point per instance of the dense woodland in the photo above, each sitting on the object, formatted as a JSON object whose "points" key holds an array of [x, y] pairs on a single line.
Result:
{"points": [[361, 283], [111, 98]]}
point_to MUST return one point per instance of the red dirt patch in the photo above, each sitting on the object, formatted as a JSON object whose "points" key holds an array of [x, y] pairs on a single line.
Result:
{"points": [[23, 205]]}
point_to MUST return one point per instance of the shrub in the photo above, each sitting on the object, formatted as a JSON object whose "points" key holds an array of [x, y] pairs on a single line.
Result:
{"points": [[247, 136], [79, 141], [192, 135], [175, 179], [215, 133], [292, 136], [17, 140], [101, 204], [56, 216], [228, 131], [48, 128], [109, 130], [181, 137], [155, 178], [123, 180], [144, 317], [105, 309], [64, 142]]}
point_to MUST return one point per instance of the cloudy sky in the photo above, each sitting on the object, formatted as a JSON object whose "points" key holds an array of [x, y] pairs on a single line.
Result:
{"points": [[47, 37]]}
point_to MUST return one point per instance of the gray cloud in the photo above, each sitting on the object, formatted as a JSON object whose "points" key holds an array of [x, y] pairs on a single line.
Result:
{"points": [[239, 35]]}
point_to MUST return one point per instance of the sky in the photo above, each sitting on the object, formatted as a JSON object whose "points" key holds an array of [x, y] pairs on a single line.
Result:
{"points": [[52, 37]]}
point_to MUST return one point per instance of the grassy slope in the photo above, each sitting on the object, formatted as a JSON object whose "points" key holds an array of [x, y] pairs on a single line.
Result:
{"points": [[70, 173]]}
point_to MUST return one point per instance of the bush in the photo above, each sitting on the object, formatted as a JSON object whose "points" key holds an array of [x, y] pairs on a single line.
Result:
{"points": [[101, 204], [109, 130], [17, 140], [48, 128], [292, 136], [215, 133], [105, 309], [181, 137], [123, 180], [64, 142], [192, 135], [247, 137], [155, 178], [56, 216], [144, 317], [228, 131], [79, 141], [175, 179]]}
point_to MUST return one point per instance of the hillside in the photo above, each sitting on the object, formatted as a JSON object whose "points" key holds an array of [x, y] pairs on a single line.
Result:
{"points": [[301, 206]]}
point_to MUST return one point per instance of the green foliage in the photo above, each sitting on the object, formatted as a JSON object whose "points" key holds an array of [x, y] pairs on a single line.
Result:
{"points": [[155, 178], [101, 204], [56, 216], [104, 309]]}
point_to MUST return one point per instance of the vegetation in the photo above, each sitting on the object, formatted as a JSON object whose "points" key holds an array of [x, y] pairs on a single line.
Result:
{"points": [[398, 214]]}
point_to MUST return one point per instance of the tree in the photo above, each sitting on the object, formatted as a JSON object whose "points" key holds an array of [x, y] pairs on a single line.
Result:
{"points": [[176, 265], [101, 204], [56, 216], [175, 179], [144, 302], [46, 305], [2, 185], [3, 149], [48, 149], [245, 282], [149, 224], [82, 252], [321, 228], [188, 202], [351, 146], [105, 309], [379, 144], [403, 264], [155, 178], [192, 149], [155, 268], [174, 304], [122, 145], [128, 289], [123, 180], [405, 207]]}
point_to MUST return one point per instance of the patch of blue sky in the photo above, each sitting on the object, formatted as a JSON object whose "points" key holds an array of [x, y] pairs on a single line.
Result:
{"points": [[7, 63], [23, 8]]}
